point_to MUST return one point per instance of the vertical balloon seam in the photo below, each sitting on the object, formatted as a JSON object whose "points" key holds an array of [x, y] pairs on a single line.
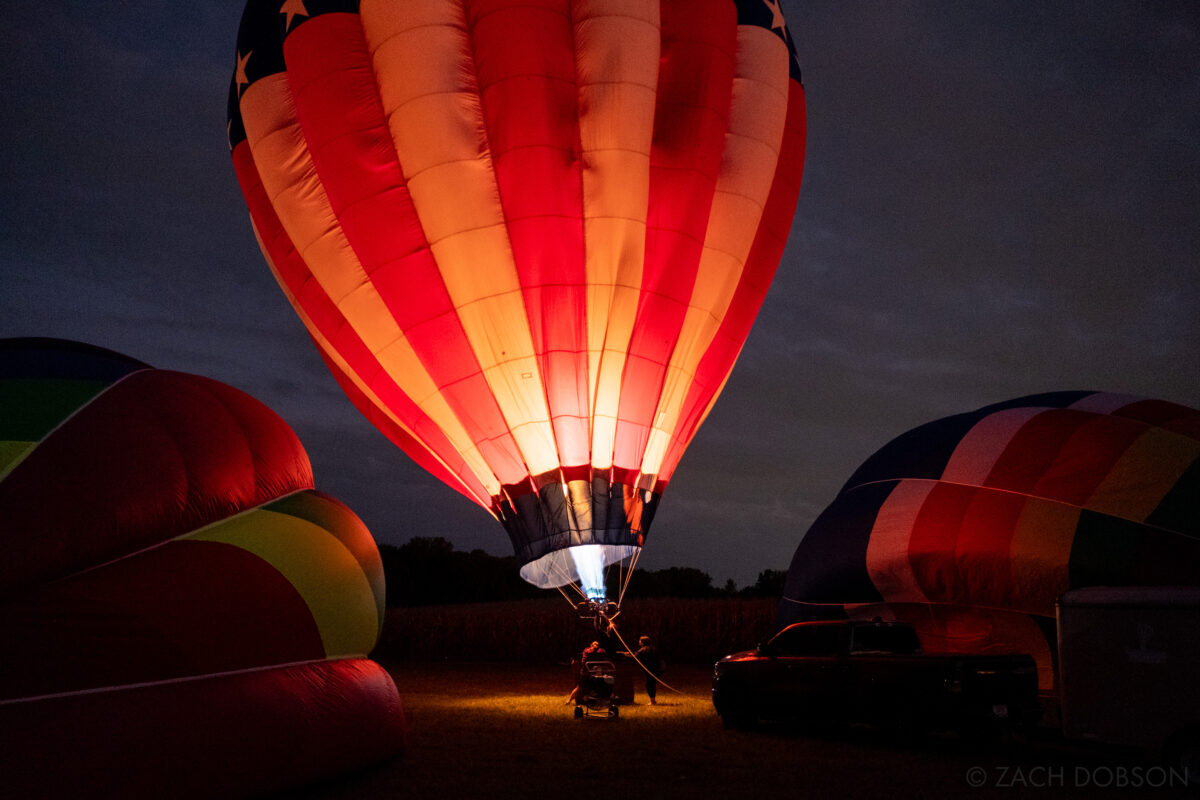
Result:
{"points": [[334, 356], [610, 339], [624, 427], [975, 454], [12, 465], [887, 547], [696, 337], [597, 460], [629, 355], [696, 407], [588, 394], [504, 216], [773, 140], [714, 370], [1061, 476], [374, 48], [332, 350], [616, 285], [678, 426], [460, 479], [524, 412], [290, 243], [673, 43], [564, 457], [551, 526], [350, 371], [583, 398]]}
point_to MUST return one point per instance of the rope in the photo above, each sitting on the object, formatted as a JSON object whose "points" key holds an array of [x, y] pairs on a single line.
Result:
{"points": [[566, 597], [612, 625], [617, 633], [561, 571], [628, 576]]}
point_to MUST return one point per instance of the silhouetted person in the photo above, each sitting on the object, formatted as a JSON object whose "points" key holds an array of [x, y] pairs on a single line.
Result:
{"points": [[647, 654], [593, 652]]}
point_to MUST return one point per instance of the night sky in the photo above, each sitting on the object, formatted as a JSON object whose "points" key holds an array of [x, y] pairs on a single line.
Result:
{"points": [[999, 199]]}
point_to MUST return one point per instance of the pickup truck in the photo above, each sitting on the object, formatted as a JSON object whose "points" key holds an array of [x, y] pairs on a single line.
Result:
{"points": [[873, 672]]}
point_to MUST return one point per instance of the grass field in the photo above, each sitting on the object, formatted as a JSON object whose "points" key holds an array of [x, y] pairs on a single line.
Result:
{"points": [[484, 730], [484, 686]]}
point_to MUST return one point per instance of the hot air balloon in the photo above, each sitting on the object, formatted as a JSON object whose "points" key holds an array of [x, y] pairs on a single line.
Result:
{"points": [[974, 525], [528, 238], [181, 613]]}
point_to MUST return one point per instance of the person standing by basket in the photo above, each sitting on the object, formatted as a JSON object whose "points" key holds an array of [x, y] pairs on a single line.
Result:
{"points": [[647, 655], [593, 652]]}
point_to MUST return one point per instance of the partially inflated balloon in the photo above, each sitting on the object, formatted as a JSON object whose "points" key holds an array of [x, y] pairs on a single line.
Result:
{"points": [[181, 614], [529, 238], [975, 523]]}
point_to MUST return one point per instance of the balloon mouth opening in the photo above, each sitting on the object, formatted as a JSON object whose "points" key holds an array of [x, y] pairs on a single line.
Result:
{"points": [[582, 564]]}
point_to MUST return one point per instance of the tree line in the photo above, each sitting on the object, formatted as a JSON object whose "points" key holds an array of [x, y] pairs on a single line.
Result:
{"points": [[428, 571]]}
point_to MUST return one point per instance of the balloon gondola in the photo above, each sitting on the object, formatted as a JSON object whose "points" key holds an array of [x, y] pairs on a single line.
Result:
{"points": [[528, 239]]}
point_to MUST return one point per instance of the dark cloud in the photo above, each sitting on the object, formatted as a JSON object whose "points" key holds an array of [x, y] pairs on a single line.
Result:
{"points": [[999, 199]]}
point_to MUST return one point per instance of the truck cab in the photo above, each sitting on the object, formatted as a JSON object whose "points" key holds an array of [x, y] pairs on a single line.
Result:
{"points": [[875, 672]]}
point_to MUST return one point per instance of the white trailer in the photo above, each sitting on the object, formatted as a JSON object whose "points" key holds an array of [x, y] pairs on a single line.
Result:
{"points": [[1129, 669]]}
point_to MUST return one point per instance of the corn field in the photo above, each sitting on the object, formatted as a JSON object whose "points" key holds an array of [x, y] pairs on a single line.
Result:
{"points": [[548, 631]]}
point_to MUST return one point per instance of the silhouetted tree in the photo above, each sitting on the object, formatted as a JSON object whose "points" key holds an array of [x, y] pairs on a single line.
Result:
{"points": [[769, 584], [670, 582], [428, 571]]}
